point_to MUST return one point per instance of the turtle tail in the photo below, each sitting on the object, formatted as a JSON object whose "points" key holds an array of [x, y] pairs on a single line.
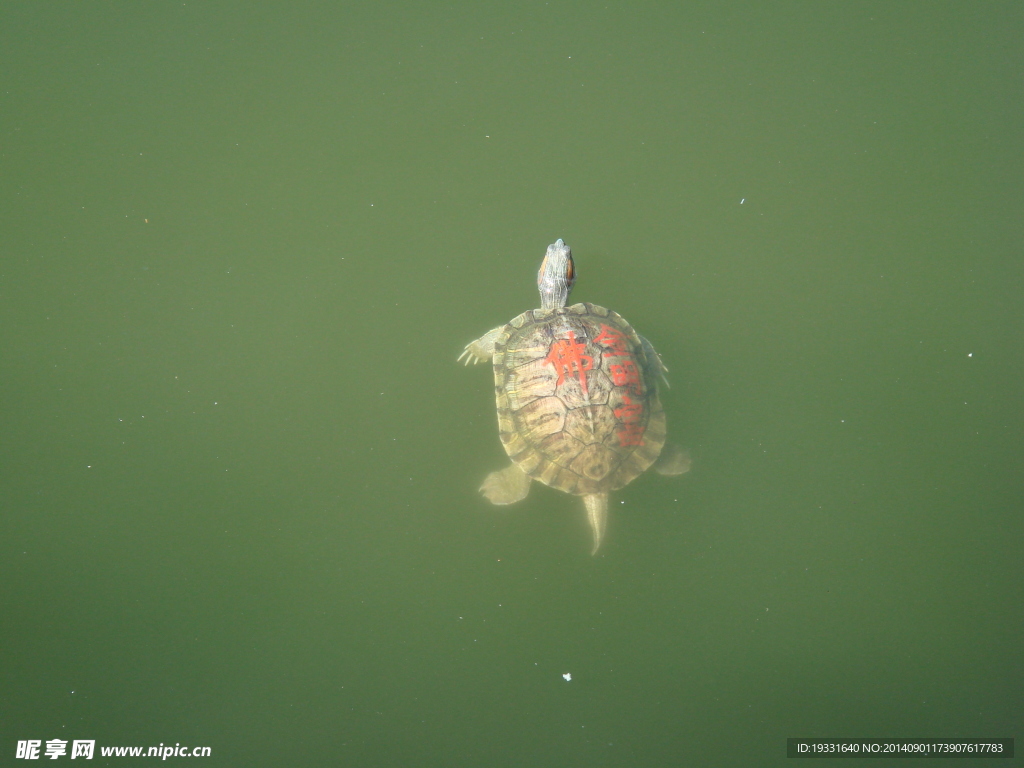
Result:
{"points": [[597, 516]]}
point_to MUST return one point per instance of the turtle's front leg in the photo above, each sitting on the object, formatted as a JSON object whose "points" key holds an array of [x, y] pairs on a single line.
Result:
{"points": [[481, 349], [655, 363]]}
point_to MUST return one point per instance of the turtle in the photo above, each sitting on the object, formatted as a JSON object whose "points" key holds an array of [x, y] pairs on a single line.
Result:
{"points": [[577, 398]]}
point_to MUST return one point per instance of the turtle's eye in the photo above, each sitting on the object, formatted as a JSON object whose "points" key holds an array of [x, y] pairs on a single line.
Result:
{"points": [[570, 271]]}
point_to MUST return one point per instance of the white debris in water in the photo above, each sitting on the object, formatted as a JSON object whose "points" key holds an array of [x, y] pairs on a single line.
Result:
{"points": [[567, 677]]}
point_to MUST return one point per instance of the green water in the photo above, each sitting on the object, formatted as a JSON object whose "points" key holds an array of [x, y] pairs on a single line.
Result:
{"points": [[241, 247]]}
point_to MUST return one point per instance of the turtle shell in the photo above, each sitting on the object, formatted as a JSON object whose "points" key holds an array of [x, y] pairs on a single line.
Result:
{"points": [[577, 405]]}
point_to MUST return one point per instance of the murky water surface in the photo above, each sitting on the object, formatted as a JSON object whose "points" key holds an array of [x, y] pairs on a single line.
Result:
{"points": [[241, 250]]}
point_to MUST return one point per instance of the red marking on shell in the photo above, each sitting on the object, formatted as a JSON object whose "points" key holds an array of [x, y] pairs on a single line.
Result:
{"points": [[626, 374], [630, 411], [614, 339], [567, 358], [631, 415]]}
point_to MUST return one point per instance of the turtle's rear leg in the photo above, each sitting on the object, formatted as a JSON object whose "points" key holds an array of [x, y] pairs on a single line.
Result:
{"points": [[506, 486], [481, 349], [673, 460]]}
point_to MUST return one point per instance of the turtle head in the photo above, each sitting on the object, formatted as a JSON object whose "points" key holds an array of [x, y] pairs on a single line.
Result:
{"points": [[556, 276]]}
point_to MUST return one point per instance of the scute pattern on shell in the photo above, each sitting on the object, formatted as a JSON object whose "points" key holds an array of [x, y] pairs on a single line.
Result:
{"points": [[577, 405]]}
